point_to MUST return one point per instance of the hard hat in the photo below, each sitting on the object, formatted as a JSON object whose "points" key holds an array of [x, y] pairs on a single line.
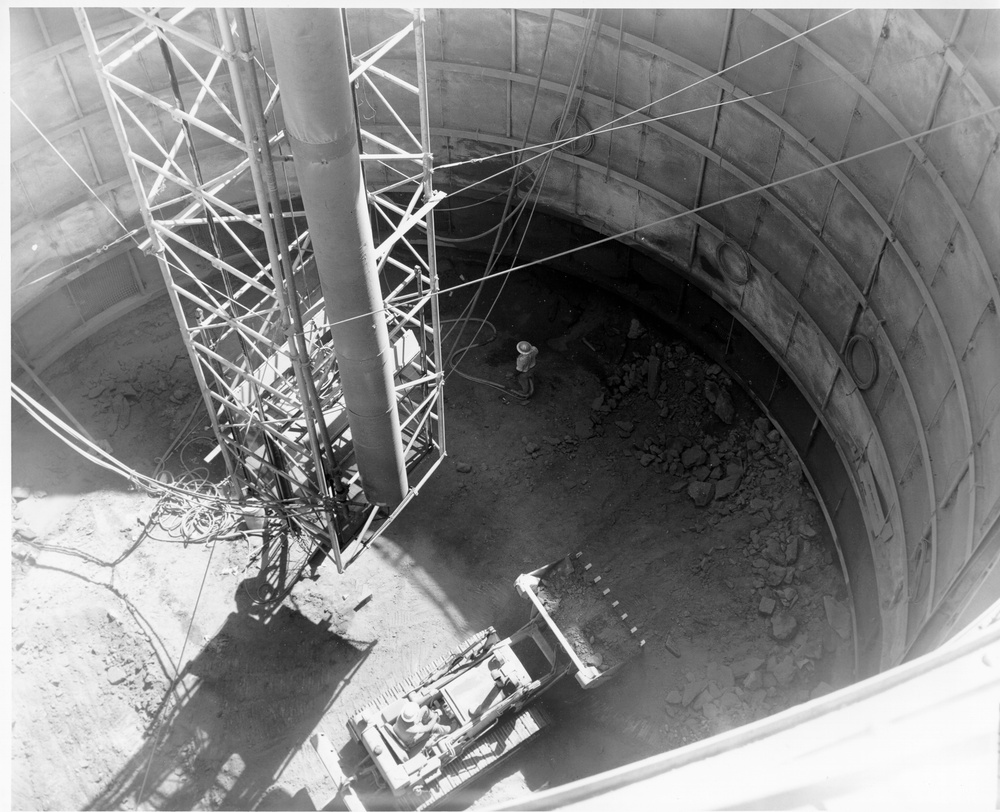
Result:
{"points": [[410, 712], [523, 346]]}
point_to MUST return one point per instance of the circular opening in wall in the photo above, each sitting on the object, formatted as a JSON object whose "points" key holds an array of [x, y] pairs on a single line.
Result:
{"points": [[733, 261], [862, 361], [576, 129]]}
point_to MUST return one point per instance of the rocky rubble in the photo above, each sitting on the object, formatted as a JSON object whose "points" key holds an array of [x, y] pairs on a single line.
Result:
{"points": [[781, 571], [668, 378]]}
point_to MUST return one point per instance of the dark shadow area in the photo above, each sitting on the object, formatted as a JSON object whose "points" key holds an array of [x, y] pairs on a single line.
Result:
{"points": [[260, 687]]}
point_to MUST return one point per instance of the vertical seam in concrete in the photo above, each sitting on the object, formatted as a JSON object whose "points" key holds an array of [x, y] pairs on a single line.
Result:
{"points": [[865, 93]]}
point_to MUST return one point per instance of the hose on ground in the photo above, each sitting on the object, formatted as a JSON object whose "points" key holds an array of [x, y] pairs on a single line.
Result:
{"points": [[452, 365]]}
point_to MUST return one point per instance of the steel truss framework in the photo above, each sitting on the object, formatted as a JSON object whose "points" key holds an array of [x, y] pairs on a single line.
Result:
{"points": [[241, 278]]}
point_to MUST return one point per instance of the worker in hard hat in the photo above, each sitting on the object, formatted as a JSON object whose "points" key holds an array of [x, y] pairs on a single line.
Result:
{"points": [[414, 722], [526, 355]]}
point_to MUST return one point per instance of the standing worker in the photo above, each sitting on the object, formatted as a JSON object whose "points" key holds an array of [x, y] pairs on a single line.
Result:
{"points": [[526, 355]]}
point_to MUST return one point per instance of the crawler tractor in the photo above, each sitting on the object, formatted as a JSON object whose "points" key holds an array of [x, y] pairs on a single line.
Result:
{"points": [[484, 694]]}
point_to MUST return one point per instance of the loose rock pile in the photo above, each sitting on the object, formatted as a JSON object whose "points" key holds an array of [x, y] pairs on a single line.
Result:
{"points": [[779, 572]]}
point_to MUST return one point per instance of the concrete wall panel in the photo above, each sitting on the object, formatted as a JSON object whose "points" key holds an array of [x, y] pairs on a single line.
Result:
{"points": [[809, 196], [640, 22], [829, 298], [960, 291], [771, 65], [34, 251], [689, 103], [82, 225], [814, 361], [672, 238], [918, 355], [785, 251], [771, 315], [979, 365], [896, 300], [987, 464], [48, 181], [922, 224], [85, 85], [632, 68], [979, 45], [914, 506], [852, 236], [903, 448], [104, 147], [747, 140], [608, 203], [982, 209], [28, 39], [565, 43], [490, 116], [60, 23], [947, 444], [851, 39], [819, 105], [696, 35], [21, 212], [961, 152], [877, 175], [624, 152], [735, 218], [941, 20], [953, 519], [905, 70], [464, 41], [28, 89], [49, 320], [605, 64], [670, 170]]}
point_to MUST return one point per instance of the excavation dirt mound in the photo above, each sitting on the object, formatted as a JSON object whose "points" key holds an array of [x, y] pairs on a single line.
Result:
{"points": [[586, 618]]}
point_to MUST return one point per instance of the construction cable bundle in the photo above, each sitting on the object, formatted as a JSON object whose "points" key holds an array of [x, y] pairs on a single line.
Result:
{"points": [[191, 508], [191, 521]]}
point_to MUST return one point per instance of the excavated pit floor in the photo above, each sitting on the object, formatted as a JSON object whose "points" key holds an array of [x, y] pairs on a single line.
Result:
{"points": [[592, 463]]}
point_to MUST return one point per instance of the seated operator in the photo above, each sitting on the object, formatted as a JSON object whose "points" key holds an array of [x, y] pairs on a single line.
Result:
{"points": [[414, 722]]}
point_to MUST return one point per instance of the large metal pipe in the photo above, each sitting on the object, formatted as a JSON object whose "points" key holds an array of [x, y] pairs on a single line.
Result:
{"points": [[311, 59]]}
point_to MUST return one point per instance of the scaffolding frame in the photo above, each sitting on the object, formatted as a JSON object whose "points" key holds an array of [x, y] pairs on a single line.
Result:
{"points": [[207, 158]]}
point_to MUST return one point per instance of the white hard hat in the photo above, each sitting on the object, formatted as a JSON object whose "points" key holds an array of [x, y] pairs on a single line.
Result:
{"points": [[410, 712], [524, 346]]}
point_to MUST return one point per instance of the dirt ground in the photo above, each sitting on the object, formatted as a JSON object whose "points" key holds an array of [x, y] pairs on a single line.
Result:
{"points": [[143, 677]]}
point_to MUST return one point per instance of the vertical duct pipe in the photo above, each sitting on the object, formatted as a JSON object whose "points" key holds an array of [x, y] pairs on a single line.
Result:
{"points": [[311, 59]]}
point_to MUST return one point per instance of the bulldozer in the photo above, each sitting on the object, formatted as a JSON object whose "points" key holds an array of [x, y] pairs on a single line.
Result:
{"points": [[483, 696]]}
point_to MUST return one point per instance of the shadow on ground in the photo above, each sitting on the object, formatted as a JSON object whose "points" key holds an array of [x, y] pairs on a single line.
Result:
{"points": [[241, 710]]}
